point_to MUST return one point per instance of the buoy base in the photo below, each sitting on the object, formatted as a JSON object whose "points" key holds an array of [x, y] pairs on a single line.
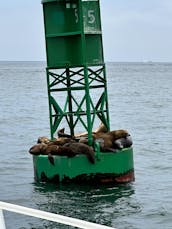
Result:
{"points": [[109, 167], [93, 178]]}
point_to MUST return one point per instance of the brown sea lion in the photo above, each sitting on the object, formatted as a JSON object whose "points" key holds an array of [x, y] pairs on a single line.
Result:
{"points": [[107, 139], [113, 135], [123, 142], [119, 134], [61, 133], [83, 140], [59, 150], [71, 150], [81, 148], [101, 129], [105, 146], [62, 140], [38, 149], [43, 140], [47, 149], [41, 149], [68, 149]]}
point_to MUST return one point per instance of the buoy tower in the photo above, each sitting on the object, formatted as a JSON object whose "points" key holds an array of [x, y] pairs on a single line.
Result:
{"points": [[75, 65]]}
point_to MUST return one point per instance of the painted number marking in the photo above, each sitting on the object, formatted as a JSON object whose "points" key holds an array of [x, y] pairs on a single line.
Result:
{"points": [[76, 15], [91, 16]]}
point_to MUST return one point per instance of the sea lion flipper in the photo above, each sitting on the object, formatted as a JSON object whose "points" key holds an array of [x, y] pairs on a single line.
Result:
{"points": [[61, 133], [51, 159], [91, 158]]}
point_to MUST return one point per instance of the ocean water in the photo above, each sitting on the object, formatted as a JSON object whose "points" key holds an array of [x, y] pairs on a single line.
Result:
{"points": [[140, 100]]}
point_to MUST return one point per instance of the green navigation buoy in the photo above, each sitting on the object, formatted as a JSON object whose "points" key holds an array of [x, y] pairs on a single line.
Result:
{"points": [[77, 92]]}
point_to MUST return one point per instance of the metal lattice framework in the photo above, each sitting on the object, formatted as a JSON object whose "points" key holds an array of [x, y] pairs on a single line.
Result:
{"points": [[90, 101]]}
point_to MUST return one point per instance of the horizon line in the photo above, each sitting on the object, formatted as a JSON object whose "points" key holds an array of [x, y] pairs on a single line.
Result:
{"points": [[108, 61]]}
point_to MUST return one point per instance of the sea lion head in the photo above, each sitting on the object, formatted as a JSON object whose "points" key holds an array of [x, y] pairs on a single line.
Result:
{"points": [[119, 134], [38, 149], [101, 129], [123, 142], [43, 140]]}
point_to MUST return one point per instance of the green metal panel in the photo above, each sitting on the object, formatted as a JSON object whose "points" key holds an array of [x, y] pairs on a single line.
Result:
{"points": [[91, 14], [64, 54], [59, 19], [94, 53], [116, 164], [64, 31]]}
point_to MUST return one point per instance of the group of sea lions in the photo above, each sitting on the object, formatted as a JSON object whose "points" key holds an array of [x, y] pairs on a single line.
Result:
{"points": [[69, 149], [67, 145]]}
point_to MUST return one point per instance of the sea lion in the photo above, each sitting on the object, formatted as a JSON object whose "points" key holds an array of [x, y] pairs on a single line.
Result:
{"points": [[105, 146], [59, 150], [81, 148], [119, 133], [61, 133], [43, 140], [68, 149], [62, 140], [108, 139], [41, 149], [38, 149], [71, 150], [113, 135], [83, 140], [101, 129], [123, 142]]}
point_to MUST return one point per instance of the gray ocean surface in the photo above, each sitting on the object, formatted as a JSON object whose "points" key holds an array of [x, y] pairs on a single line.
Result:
{"points": [[140, 100]]}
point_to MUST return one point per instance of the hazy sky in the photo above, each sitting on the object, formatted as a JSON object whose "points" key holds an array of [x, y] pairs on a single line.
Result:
{"points": [[133, 30]]}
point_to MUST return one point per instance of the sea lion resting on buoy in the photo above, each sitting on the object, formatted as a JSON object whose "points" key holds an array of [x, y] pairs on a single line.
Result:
{"points": [[112, 135], [82, 137], [63, 140], [38, 149], [123, 142], [61, 133], [81, 148], [69, 149], [101, 129], [47, 149], [43, 140], [57, 141], [107, 140]]}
